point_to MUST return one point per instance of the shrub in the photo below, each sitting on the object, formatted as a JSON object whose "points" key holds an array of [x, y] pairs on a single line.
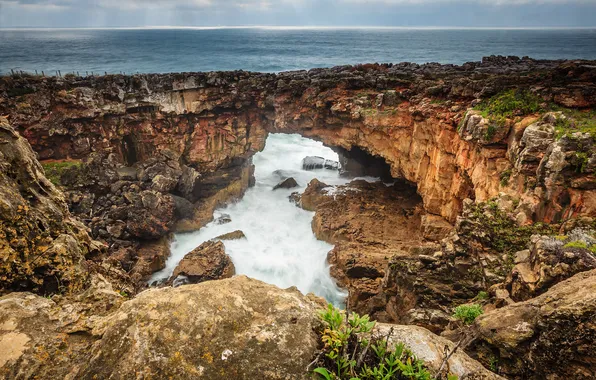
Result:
{"points": [[510, 103], [576, 244], [468, 313], [352, 351], [54, 170], [482, 296]]}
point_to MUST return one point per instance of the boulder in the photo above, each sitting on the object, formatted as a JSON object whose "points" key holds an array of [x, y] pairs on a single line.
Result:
{"points": [[207, 262], [431, 349], [288, 183], [550, 336], [237, 328], [235, 235], [315, 162]]}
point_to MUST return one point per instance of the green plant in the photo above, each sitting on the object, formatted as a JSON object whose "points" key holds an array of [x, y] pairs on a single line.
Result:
{"points": [[352, 351], [510, 103], [583, 159], [505, 176], [576, 244], [493, 364], [491, 131], [54, 170], [468, 313], [573, 120], [482, 296]]}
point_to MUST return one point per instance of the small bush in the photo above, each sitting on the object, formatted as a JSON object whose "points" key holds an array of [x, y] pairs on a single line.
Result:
{"points": [[576, 244], [54, 170], [468, 313], [510, 103], [352, 351], [482, 296]]}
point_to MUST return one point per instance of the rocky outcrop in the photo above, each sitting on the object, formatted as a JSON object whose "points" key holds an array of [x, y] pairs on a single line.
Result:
{"points": [[550, 336], [404, 114], [234, 235], [207, 262], [549, 260], [287, 183], [42, 248]]}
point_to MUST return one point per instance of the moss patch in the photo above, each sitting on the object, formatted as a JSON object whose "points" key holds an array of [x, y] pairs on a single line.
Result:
{"points": [[575, 121], [55, 169]]}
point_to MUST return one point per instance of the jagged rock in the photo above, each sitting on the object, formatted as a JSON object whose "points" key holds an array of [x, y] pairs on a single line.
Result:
{"points": [[314, 162], [286, 184], [547, 262], [42, 248], [207, 262], [235, 235], [223, 219], [550, 336], [151, 257]]}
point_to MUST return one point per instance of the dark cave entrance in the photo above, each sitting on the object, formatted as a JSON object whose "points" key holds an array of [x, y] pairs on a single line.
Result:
{"points": [[129, 151], [357, 162]]}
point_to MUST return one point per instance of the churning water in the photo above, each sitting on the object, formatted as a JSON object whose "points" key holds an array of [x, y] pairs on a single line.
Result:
{"points": [[280, 247]]}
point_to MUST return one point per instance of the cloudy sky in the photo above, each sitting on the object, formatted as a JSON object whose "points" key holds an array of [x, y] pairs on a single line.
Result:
{"points": [[139, 13]]}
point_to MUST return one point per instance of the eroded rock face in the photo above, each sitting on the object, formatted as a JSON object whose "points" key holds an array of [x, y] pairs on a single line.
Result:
{"points": [[405, 114], [550, 336], [42, 248], [207, 262]]}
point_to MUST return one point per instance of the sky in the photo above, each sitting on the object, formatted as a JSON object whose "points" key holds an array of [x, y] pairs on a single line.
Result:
{"points": [[332, 13]]}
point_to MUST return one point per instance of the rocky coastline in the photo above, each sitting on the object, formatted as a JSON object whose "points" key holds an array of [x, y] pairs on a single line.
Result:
{"points": [[488, 200]]}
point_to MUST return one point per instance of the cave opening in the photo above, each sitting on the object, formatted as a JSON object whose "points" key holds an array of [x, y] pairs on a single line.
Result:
{"points": [[357, 162], [129, 151]]}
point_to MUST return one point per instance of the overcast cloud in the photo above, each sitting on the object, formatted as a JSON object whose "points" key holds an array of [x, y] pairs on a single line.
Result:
{"points": [[142, 13]]}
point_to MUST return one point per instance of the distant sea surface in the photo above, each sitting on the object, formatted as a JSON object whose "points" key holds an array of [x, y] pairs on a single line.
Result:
{"points": [[273, 49]]}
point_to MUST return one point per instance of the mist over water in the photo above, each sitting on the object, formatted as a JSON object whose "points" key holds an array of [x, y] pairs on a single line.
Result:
{"points": [[280, 248]]}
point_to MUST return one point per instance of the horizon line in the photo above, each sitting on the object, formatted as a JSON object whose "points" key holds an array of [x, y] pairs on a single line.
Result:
{"points": [[274, 27]]}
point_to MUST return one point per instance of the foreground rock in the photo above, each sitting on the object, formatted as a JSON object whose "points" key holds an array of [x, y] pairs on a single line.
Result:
{"points": [[431, 349], [550, 336], [207, 262], [236, 328]]}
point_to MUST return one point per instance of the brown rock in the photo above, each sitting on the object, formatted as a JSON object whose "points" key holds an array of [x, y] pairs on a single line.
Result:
{"points": [[207, 262], [550, 336], [235, 235]]}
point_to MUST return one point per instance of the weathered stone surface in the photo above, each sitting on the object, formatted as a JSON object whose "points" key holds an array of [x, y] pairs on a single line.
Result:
{"points": [[314, 162], [207, 262], [237, 328], [547, 262], [431, 349], [42, 248], [550, 336]]}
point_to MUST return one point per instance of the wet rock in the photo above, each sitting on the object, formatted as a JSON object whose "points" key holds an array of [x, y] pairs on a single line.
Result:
{"points": [[151, 257], [223, 219], [286, 184], [235, 235], [550, 336], [315, 162], [207, 262]]}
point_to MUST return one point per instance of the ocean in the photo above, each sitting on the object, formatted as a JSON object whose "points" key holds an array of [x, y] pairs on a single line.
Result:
{"points": [[272, 49]]}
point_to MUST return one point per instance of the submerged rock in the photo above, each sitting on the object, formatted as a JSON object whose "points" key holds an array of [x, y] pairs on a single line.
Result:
{"points": [[288, 183], [235, 235], [315, 162], [207, 262]]}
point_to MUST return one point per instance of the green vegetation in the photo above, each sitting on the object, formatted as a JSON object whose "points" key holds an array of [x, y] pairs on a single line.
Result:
{"points": [[576, 244], [575, 121], [468, 313], [54, 170], [505, 175], [482, 296], [353, 352], [508, 104], [499, 232], [583, 159]]}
